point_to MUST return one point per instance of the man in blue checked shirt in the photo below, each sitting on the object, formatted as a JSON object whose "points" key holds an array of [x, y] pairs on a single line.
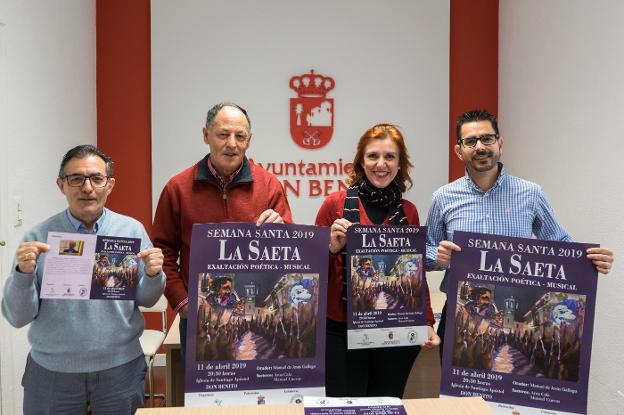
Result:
{"points": [[488, 200]]}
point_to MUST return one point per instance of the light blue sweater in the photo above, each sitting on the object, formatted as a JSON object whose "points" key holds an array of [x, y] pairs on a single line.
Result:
{"points": [[80, 335]]}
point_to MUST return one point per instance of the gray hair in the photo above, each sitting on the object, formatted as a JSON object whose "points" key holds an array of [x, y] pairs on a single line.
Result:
{"points": [[212, 113], [82, 151]]}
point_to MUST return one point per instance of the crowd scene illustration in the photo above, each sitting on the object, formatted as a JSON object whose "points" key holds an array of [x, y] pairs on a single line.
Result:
{"points": [[113, 271], [546, 342], [374, 289], [283, 325]]}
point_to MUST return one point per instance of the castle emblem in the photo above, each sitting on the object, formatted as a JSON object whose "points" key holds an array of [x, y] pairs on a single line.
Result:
{"points": [[311, 113]]}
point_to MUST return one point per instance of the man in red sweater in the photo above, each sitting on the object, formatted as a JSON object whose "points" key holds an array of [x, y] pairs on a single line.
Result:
{"points": [[222, 187]]}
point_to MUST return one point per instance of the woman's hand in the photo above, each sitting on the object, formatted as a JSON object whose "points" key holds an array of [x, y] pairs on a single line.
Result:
{"points": [[338, 235]]}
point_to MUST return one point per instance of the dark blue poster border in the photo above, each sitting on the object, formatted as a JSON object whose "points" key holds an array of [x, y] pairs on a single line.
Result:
{"points": [[520, 319], [386, 287], [257, 301]]}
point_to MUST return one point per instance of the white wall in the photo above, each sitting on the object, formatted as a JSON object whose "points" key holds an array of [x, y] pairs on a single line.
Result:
{"points": [[561, 97], [47, 105], [390, 64]]}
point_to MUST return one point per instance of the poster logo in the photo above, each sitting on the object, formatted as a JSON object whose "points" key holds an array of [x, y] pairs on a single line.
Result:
{"points": [[311, 113]]}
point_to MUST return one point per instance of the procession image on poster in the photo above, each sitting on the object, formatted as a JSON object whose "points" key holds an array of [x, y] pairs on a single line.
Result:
{"points": [[386, 293], [116, 268], [353, 406], [544, 335], [519, 325], [83, 267], [257, 331], [275, 318]]}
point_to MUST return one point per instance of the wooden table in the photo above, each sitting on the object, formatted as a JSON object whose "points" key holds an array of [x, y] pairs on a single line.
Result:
{"points": [[444, 406], [174, 394]]}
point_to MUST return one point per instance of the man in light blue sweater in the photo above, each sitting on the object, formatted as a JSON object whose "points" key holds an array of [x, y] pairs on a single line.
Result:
{"points": [[83, 353]]}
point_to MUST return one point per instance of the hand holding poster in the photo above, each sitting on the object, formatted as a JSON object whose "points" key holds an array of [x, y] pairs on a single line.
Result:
{"points": [[386, 295], [257, 298], [519, 324]]}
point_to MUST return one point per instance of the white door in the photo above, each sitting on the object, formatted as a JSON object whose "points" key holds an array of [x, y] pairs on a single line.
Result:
{"points": [[4, 235], [4, 217], [10, 339]]}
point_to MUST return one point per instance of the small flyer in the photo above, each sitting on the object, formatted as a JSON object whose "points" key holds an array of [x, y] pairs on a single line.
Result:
{"points": [[83, 267], [387, 291], [313, 405], [519, 328]]}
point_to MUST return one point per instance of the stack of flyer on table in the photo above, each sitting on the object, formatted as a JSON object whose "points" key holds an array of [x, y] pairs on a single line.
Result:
{"points": [[314, 405]]}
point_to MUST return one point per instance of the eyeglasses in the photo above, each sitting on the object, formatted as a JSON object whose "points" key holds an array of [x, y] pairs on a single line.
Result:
{"points": [[240, 137], [77, 180], [486, 140]]}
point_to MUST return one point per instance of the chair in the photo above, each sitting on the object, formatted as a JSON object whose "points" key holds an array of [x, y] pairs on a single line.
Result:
{"points": [[151, 340]]}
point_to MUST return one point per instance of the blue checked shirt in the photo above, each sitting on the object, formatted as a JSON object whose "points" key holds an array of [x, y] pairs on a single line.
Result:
{"points": [[511, 207]]}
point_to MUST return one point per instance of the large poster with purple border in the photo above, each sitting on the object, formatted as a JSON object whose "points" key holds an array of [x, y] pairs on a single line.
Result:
{"points": [[256, 325], [520, 319], [386, 287]]}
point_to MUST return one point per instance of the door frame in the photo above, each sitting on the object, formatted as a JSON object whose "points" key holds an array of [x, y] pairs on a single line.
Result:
{"points": [[6, 365]]}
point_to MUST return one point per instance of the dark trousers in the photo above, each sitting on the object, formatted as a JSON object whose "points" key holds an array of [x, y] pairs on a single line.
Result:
{"points": [[182, 327], [440, 331], [364, 372], [115, 391]]}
